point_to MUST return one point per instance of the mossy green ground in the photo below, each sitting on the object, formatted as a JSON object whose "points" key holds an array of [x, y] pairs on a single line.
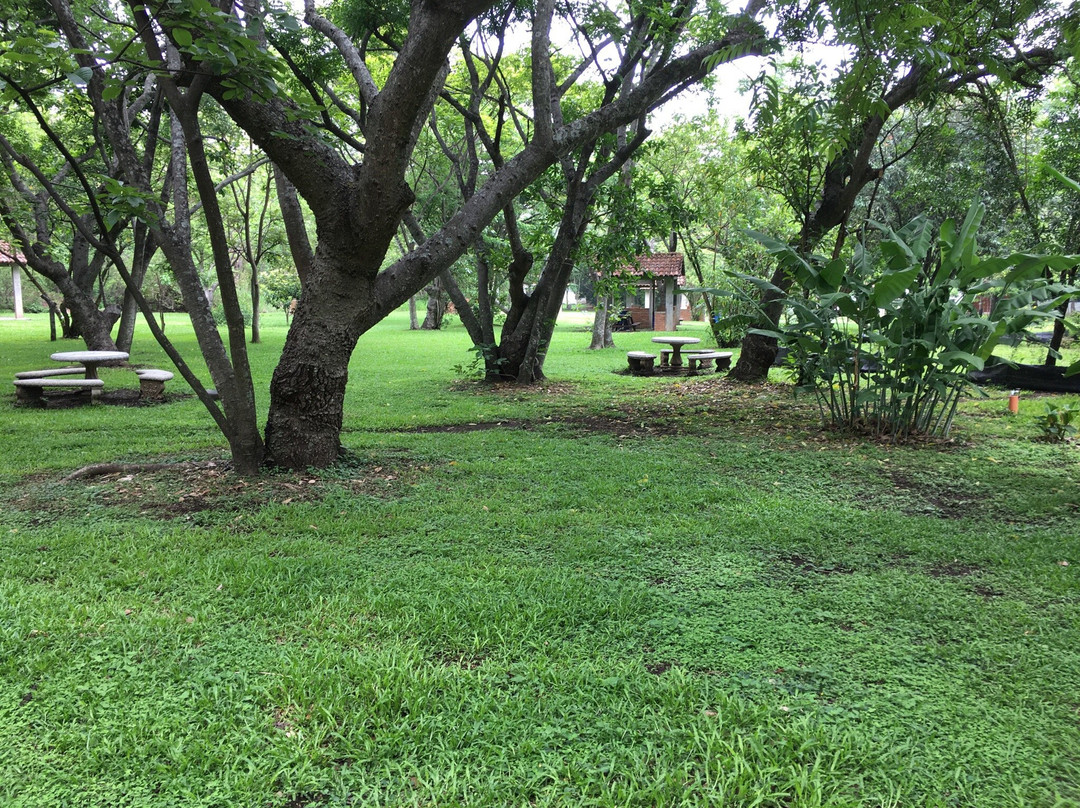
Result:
{"points": [[604, 591]]}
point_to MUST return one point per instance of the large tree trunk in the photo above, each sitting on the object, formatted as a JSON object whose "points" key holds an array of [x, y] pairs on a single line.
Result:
{"points": [[307, 392], [758, 351]]}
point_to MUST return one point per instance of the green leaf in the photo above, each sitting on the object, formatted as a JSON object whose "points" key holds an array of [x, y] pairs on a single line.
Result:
{"points": [[963, 251], [1068, 181], [833, 273], [80, 77], [847, 307], [963, 357], [893, 284], [1029, 267], [182, 37], [764, 332]]}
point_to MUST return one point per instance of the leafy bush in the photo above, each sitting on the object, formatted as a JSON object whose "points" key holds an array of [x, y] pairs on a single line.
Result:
{"points": [[280, 286], [885, 341], [1056, 424]]}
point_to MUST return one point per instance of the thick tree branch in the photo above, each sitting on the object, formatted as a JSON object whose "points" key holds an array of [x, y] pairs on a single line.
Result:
{"points": [[349, 52]]}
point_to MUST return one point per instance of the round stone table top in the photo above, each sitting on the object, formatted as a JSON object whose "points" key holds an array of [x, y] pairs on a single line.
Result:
{"points": [[677, 340], [82, 357]]}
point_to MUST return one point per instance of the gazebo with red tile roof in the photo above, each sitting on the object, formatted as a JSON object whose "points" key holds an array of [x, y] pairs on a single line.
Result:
{"points": [[657, 272], [11, 257]]}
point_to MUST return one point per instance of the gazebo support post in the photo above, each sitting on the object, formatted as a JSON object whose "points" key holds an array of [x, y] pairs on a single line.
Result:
{"points": [[16, 290]]}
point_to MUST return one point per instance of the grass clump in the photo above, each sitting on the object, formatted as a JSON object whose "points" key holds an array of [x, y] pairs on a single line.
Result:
{"points": [[607, 591]]}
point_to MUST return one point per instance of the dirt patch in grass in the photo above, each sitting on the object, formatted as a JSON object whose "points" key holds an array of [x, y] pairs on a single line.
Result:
{"points": [[464, 661], [945, 501], [306, 801], [952, 569], [481, 426], [633, 425], [182, 490], [804, 564], [513, 390]]}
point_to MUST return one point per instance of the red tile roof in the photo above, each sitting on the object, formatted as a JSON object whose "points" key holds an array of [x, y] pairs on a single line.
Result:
{"points": [[658, 265], [9, 255]]}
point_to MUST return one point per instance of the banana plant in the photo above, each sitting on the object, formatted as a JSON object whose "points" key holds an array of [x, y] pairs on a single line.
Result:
{"points": [[885, 340]]}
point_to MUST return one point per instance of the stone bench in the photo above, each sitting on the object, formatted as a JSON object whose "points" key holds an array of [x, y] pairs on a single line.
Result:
{"points": [[152, 382], [32, 391], [641, 363], [705, 360], [45, 374]]}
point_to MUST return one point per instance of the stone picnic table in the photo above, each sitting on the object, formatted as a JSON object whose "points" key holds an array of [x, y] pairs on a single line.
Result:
{"points": [[89, 359], [676, 344]]}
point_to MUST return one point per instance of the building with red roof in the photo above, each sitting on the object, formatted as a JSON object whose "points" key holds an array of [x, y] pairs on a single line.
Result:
{"points": [[653, 301]]}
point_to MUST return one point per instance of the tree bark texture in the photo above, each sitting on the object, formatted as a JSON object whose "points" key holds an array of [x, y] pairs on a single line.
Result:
{"points": [[308, 387]]}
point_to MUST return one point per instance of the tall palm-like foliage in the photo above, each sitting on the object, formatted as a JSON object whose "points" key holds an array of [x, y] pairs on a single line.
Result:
{"points": [[885, 341]]}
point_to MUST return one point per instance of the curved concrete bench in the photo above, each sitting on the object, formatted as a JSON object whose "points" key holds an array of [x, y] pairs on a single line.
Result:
{"points": [[706, 358], [641, 362], [152, 382], [44, 374], [32, 391]]}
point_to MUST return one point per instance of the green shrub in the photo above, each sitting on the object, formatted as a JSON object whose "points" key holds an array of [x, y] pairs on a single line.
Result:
{"points": [[1056, 424], [885, 341]]}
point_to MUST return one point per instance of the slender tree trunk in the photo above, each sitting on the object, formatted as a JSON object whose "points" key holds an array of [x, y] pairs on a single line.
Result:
{"points": [[601, 329], [255, 337], [125, 334], [292, 216], [414, 322], [1068, 276]]}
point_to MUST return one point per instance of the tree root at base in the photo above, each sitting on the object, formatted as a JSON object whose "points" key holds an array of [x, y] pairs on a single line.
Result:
{"points": [[103, 469]]}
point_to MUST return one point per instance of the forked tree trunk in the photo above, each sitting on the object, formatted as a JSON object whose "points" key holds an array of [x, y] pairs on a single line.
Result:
{"points": [[87, 321], [436, 308]]}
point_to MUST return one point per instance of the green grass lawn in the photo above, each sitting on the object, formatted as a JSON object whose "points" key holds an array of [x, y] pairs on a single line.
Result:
{"points": [[606, 591]]}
